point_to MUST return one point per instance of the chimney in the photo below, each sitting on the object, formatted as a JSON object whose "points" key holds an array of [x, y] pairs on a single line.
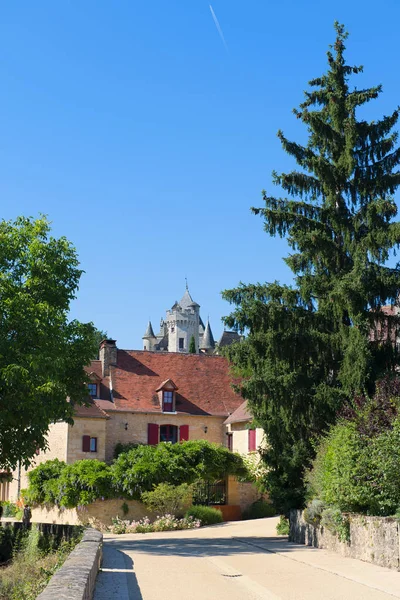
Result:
{"points": [[108, 355]]}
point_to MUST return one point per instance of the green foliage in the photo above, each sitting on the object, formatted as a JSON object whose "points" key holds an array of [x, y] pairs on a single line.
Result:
{"points": [[44, 483], [9, 509], [55, 483], [308, 348], [358, 473], [83, 482], [192, 345], [168, 499], [123, 448], [282, 527], [137, 471], [259, 510], [337, 523], [125, 508], [42, 354], [205, 514], [34, 561], [144, 467], [313, 512]]}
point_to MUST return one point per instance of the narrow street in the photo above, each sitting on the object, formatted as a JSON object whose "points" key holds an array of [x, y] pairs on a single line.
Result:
{"points": [[234, 561]]}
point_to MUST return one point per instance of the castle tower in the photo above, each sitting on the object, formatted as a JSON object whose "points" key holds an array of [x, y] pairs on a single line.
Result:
{"points": [[207, 344], [149, 339], [182, 323]]}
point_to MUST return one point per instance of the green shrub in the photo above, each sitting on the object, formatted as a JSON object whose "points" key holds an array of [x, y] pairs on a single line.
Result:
{"points": [[312, 513], [44, 483], [259, 510], [337, 523], [123, 448], [358, 473], [205, 514], [168, 499], [9, 509], [283, 526], [144, 467]]}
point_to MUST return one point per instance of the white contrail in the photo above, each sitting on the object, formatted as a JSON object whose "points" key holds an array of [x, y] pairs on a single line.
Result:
{"points": [[218, 26]]}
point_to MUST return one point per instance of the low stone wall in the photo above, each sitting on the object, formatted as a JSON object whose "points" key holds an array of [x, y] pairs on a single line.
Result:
{"points": [[98, 515], [77, 577], [372, 539]]}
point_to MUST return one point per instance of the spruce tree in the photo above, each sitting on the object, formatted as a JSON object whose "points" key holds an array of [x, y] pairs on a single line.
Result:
{"points": [[309, 346], [192, 346]]}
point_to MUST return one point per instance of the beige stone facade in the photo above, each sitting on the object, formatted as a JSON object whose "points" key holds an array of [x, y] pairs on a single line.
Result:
{"points": [[132, 428], [57, 439], [240, 437]]}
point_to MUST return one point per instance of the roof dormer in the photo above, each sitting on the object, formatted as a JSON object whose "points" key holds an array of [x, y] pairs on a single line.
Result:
{"points": [[166, 393]]}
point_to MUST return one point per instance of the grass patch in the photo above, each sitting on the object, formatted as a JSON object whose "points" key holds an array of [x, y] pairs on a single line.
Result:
{"points": [[31, 567]]}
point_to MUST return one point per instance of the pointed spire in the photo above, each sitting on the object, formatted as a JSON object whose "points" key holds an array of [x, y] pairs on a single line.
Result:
{"points": [[149, 331], [207, 343], [187, 300]]}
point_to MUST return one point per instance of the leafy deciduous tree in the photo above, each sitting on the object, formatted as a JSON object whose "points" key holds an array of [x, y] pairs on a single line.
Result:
{"points": [[42, 354]]}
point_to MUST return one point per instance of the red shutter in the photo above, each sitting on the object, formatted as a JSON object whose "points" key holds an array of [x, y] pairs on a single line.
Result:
{"points": [[230, 441], [252, 440], [86, 443], [183, 433], [152, 434]]}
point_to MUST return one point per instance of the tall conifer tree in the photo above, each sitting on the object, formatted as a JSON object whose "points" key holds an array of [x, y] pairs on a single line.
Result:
{"points": [[309, 347]]}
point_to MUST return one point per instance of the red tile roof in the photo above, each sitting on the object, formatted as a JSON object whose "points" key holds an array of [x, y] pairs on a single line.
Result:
{"points": [[241, 414], [90, 411], [204, 383]]}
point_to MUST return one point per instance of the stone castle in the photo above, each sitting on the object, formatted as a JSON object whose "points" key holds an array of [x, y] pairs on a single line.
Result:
{"points": [[182, 323]]}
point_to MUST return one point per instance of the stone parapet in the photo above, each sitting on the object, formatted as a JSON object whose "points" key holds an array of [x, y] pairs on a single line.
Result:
{"points": [[76, 579], [372, 539]]}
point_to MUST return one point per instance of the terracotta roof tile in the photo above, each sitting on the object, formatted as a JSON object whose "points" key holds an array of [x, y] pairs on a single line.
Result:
{"points": [[241, 414], [203, 382], [90, 411]]}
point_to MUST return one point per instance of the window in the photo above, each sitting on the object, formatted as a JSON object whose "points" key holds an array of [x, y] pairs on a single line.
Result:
{"points": [[252, 440], [169, 433], [181, 343], [168, 401], [92, 389], [230, 441], [89, 444]]}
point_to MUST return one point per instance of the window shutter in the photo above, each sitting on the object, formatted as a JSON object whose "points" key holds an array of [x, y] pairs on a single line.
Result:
{"points": [[152, 434], [183, 433], [86, 443], [252, 440]]}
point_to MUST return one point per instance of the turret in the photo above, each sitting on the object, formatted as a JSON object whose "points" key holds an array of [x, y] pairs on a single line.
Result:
{"points": [[149, 339]]}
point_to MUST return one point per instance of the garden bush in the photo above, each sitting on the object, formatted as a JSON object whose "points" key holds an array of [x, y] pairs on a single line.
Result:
{"points": [[168, 499], [137, 471], [283, 526], [337, 523], [259, 510], [143, 468], [205, 514], [358, 472]]}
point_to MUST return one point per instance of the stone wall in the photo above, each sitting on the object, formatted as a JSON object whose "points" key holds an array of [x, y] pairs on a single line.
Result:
{"points": [[372, 539], [77, 577], [98, 515]]}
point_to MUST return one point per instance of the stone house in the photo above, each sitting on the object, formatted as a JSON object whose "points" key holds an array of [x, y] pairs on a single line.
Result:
{"points": [[146, 397], [242, 436]]}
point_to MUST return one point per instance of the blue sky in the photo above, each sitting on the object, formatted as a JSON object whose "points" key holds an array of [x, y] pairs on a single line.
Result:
{"points": [[146, 142]]}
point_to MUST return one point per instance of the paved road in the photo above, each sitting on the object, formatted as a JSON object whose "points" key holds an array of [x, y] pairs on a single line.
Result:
{"points": [[234, 561]]}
